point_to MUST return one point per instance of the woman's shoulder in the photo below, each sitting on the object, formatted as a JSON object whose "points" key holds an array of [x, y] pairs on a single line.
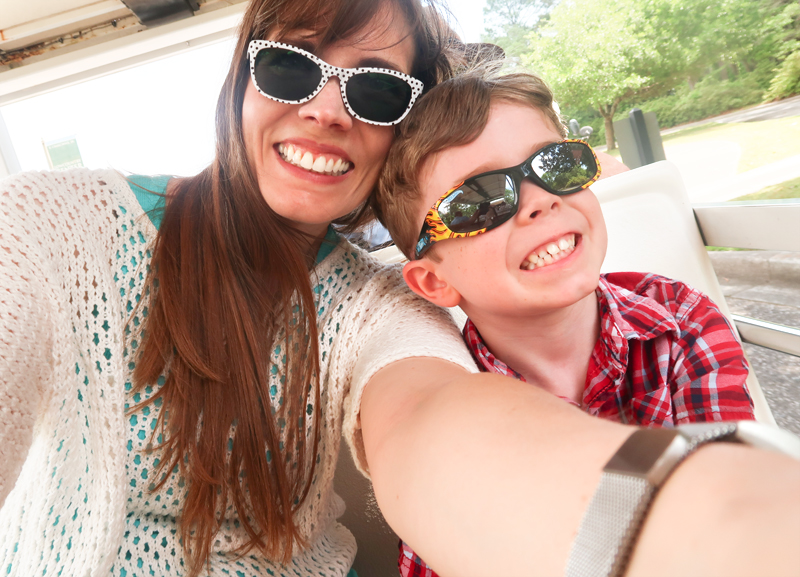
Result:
{"points": [[86, 185], [98, 201], [73, 180], [78, 192], [357, 265]]}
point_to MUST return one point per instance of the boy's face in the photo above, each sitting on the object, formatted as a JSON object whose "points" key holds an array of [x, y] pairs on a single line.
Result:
{"points": [[492, 272]]}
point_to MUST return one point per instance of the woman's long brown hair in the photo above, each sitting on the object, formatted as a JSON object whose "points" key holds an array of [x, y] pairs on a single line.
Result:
{"points": [[226, 271]]}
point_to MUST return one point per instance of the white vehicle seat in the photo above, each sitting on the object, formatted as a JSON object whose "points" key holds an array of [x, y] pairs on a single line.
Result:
{"points": [[651, 228]]}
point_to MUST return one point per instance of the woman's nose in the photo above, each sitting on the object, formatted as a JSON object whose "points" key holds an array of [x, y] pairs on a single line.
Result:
{"points": [[327, 107]]}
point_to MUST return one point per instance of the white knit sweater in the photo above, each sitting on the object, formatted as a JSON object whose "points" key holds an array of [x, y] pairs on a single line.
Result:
{"points": [[73, 255]]}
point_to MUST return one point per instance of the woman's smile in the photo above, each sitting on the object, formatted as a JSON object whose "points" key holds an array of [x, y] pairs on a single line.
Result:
{"points": [[331, 164]]}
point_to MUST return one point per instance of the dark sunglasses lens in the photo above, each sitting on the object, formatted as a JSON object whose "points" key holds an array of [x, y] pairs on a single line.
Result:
{"points": [[286, 74], [482, 202], [566, 166], [377, 96]]}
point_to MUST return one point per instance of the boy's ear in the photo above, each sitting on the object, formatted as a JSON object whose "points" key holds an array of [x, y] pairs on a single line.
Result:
{"points": [[423, 278]]}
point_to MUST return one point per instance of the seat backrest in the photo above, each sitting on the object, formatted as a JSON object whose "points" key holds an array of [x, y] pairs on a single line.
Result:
{"points": [[651, 228]]}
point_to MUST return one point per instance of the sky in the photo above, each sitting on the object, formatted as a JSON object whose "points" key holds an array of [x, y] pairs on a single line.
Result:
{"points": [[157, 118]]}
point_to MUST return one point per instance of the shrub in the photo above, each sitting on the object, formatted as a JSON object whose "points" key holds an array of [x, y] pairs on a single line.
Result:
{"points": [[786, 81]]}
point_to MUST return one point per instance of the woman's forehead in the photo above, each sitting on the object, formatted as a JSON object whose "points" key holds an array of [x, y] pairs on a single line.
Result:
{"points": [[326, 21], [386, 28]]}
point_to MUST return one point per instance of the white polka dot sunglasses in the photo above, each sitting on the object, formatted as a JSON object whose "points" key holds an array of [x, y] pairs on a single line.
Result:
{"points": [[288, 74]]}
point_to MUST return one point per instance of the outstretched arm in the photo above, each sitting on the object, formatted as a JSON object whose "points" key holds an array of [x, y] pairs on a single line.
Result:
{"points": [[485, 475]]}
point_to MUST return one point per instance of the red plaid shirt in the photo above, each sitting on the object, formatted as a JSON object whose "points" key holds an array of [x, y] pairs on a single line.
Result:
{"points": [[666, 356]]}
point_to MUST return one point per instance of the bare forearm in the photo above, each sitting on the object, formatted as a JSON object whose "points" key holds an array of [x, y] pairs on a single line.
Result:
{"points": [[489, 476]]}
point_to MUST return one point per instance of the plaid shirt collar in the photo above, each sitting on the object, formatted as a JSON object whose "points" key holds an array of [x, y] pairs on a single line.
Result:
{"points": [[624, 315], [630, 315]]}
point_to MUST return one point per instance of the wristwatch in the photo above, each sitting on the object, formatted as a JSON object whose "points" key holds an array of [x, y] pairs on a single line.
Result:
{"points": [[633, 475]]}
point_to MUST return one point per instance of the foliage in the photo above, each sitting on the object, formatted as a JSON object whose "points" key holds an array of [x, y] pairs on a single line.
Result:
{"points": [[508, 22], [590, 67], [710, 97], [787, 79], [609, 55]]}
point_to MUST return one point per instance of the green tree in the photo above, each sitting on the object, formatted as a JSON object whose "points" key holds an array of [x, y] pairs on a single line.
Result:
{"points": [[602, 53], [786, 34], [597, 53], [508, 22]]}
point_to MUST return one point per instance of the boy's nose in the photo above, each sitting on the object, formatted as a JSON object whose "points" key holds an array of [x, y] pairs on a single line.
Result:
{"points": [[327, 107], [536, 202]]}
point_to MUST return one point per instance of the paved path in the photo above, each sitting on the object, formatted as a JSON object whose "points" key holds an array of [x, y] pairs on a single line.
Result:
{"points": [[781, 109], [722, 182], [764, 285]]}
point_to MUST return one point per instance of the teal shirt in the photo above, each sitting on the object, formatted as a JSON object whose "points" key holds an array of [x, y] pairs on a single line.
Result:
{"points": [[150, 191]]}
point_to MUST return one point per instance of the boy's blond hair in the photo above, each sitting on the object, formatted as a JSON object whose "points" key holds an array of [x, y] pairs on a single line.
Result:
{"points": [[452, 114]]}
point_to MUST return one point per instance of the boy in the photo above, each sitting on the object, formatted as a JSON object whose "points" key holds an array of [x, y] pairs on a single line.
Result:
{"points": [[519, 249]]}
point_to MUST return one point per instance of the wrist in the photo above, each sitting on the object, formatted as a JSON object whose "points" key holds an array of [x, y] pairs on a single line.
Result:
{"points": [[634, 475], [728, 509]]}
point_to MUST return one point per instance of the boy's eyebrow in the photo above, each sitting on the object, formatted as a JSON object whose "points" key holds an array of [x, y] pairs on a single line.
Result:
{"points": [[491, 166]]}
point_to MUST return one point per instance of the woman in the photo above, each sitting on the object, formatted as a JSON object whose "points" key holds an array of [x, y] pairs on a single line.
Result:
{"points": [[245, 335], [181, 375]]}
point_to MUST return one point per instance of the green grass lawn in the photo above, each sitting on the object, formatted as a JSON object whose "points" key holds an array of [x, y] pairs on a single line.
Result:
{"points": [[761, 142], [788, 189]]}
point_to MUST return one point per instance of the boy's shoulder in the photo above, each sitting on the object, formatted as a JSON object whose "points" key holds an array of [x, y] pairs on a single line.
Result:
{"points": [[644, 282], [638, 288]]}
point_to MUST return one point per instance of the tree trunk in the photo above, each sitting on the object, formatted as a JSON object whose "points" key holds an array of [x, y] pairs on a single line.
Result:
{"points": [[607, 111], [608, 120]]}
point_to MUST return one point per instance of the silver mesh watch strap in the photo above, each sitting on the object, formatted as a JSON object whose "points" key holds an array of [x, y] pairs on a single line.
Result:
{"points": [[610, 524], [629, 481]]}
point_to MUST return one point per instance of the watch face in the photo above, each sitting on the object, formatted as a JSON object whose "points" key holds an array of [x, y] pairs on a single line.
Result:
{"points": [[649, 454]]}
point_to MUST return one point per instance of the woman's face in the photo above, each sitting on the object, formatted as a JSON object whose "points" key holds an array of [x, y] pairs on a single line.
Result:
{"points": [[321, 130]]}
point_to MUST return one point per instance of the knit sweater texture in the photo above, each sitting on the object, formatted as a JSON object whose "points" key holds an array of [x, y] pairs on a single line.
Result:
{"points": [[74, 254]]}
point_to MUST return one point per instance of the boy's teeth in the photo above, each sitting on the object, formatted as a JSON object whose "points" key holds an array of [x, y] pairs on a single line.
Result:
{"points": [[552, 252], [308, 161]]}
